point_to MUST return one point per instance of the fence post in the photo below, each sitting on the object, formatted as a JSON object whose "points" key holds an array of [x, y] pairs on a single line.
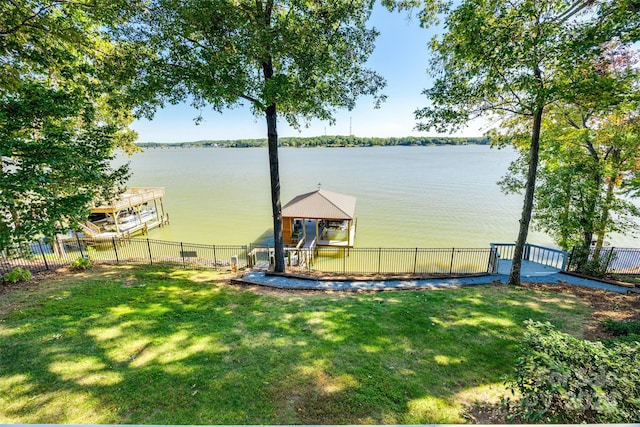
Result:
{"points": [[184, 265], [44, 258], [215, 258], [79, 246], [344, 262], [453, 251], [415, 261], [570, 260], [246, 255], [46, 265], [379, 259], [564, 261], [150, 257], [491, 263], [610, 257], [115, 249]]}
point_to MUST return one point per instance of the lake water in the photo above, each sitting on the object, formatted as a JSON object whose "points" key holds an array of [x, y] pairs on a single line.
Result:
{"points": [[443, 196]]}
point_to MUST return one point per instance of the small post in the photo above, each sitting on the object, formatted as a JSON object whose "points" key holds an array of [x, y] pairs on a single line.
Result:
{"points": [[249, 252], [415, 261], [453, 251], [493, 260], [115, 249], [79, 246], [344, 262], [610, 257], [184, 264], [215, 258], [150, 257], [234, 263], [46, 265], [246, 254], [568, 262]]}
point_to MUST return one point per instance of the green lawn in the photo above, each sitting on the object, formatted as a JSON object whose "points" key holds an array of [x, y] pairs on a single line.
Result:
{"points": [[162, 346]]}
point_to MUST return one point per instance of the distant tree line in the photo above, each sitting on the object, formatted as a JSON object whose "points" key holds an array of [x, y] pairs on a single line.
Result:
{"points": [[325, 141]]}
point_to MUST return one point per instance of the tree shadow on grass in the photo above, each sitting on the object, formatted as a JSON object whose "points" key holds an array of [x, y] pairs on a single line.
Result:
{"points": [[163, 346]]}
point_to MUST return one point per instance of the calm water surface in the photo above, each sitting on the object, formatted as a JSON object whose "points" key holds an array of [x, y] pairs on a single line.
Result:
{"points": [[406, 196]]}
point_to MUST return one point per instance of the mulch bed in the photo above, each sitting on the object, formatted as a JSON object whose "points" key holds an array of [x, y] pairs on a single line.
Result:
{"points": [[605, 305]]}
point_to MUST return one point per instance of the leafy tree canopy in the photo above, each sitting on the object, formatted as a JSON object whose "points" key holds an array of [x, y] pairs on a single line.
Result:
{"points": [[299, 59], [507, 59], [212, 53], [61, 113]]}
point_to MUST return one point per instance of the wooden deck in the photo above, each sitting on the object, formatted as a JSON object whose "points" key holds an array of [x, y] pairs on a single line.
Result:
{"points": [[528, 268]]}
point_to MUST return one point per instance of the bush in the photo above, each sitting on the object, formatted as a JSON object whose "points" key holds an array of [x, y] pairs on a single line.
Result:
{"points": [[566, 380], [81, 264], [17, 275], [631, 339], [618, 328]]}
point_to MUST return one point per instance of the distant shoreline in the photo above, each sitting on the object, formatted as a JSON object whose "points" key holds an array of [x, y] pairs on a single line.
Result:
{"points": [[323, 141]]}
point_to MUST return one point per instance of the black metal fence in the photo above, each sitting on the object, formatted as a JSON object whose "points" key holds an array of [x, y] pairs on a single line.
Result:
{"points": [[446, 261], [47, 255], [412, 261], [607, 260]]}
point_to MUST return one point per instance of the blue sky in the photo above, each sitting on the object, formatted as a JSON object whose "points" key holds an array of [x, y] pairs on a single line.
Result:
{"points": [[401, 57]]}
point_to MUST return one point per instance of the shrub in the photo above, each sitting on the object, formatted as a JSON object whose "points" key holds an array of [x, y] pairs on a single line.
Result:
{"points": [[631, 339], [566, 380], [618, 328], [81, 264], [17, 275]]}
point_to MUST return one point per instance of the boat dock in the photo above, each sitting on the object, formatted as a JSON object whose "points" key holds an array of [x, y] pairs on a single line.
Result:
{"points": [[136, 211]]}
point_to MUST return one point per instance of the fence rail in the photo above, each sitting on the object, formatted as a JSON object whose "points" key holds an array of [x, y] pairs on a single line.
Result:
{"points": [[610, 260], [40, 256], [417, 261], [48, 255]]}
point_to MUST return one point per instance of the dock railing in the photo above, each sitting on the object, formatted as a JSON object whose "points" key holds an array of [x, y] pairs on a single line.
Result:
{"points": [[552, 257]]}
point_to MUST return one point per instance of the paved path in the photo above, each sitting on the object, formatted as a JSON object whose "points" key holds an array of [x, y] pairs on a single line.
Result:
{"points": [[260, 278]]}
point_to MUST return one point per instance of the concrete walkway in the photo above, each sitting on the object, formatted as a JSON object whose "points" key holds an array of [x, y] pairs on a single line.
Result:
{"points": [[263, 279]]}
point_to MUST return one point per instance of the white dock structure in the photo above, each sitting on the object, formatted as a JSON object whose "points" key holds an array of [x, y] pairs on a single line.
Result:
{"points": [[136, 211]]}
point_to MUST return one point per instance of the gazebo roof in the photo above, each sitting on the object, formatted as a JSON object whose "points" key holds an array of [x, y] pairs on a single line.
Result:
{"points": [[321, 204]]}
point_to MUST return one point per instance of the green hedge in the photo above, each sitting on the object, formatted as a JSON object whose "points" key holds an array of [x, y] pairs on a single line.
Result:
{"points": [[562, 379], [621, 328]]}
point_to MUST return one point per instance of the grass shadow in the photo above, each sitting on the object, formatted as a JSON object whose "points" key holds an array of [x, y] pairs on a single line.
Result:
{"points": [[152, 345]]}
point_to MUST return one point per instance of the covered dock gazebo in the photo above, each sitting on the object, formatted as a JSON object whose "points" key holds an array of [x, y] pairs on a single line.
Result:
{"points": [[323, 216]]}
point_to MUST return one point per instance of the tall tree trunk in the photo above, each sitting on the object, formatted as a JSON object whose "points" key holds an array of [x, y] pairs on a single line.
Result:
{"points": [[274, 172], [527, 208]]}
